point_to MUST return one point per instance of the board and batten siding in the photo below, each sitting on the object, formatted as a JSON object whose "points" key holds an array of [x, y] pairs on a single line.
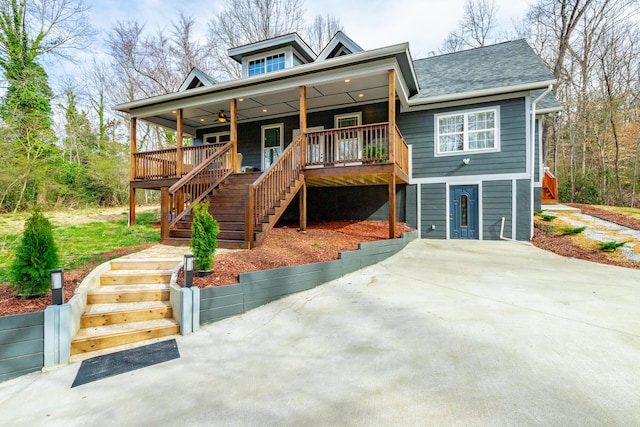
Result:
{"points": [[433, 211], [497, 203], [21, 344], [418, 130]]}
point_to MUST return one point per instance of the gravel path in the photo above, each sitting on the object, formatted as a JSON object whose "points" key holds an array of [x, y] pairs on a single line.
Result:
{"points": [[605, 231]]}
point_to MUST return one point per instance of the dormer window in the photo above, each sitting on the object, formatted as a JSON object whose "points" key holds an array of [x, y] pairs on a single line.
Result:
{"points": [[267, 64]]}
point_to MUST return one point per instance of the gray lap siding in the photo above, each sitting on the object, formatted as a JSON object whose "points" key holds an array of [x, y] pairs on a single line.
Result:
{"points": [[418, 130]]}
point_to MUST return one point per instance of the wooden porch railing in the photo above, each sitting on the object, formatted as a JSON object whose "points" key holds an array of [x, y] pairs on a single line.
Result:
{"points": [[549, 188], [271, 186], [195, 185], [357, 145], [162, 164]]}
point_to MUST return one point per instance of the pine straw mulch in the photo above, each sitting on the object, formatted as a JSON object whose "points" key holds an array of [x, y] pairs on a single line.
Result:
{"points": [[580, 247], [284, 246]]}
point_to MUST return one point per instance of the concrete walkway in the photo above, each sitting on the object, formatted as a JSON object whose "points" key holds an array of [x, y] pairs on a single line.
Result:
{"points": [[466, 333]]}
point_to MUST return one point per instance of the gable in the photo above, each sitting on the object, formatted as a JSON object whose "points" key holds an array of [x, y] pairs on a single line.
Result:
{"points": [[196, 79], [339, 45]]}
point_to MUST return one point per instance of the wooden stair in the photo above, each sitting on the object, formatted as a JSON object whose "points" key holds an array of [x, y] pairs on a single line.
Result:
{"points": [[131, 305]]}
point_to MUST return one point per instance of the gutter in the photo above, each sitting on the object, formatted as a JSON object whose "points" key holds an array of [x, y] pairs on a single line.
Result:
{"points": [[533, 148], [325, 65]]}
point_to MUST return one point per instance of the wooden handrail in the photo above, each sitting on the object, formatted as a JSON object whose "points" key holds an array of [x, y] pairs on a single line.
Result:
{"points": [[270, 187], [163, 164], [200, 182], [550, 183]]}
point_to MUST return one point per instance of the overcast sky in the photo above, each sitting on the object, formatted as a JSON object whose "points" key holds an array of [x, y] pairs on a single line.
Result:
{"points": [[370, 23]]}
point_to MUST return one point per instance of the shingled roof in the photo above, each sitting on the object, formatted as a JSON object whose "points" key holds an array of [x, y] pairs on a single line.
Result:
{"points": [[502, 65]]}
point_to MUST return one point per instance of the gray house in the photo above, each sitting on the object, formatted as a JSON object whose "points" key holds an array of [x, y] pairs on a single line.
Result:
{"points": [[449, 144]]}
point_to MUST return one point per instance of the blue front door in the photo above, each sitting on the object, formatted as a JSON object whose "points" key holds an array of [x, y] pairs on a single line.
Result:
{"points": [[463, 211]]}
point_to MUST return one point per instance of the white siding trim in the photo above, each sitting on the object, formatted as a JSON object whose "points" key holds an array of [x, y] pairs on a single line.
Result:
{"points": [[540, 155], [467, 178], [419, 210], [514, 208], [527, 114]]}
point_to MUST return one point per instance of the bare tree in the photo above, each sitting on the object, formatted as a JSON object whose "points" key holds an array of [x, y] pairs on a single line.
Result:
{"points": [[475, 28], [248, 21], [321, 30]]}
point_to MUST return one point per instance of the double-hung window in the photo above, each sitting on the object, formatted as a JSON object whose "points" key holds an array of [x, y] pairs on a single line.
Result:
{"points": [[467, 131], [267, 64]]}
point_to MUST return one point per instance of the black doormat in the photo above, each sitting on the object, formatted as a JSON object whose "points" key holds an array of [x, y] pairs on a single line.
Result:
{"points": [[112, 364]]}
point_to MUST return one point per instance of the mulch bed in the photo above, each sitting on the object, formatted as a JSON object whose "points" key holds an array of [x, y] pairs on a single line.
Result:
{"points": [[565, 246], [284, 246], [10, 304]]}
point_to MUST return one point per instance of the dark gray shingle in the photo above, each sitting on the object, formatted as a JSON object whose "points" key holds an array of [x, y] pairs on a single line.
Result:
{"points": [[504, 64]]}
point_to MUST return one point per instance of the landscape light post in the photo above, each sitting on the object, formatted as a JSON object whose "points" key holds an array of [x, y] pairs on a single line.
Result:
{"points": [[188, 270], [57, 280]]}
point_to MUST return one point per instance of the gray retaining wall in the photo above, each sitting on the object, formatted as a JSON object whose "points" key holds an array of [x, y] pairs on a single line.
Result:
{"points": [[21, 344], [261, 287]]}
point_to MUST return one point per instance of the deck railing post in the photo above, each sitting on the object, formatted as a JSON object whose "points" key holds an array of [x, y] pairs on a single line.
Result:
{"points": [[165, 208], [249, 216]]}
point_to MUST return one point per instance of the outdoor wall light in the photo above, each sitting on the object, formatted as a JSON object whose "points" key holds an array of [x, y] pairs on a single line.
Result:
{"points": [[466, 161], [57, 280], [188, 270], [222, 118]]}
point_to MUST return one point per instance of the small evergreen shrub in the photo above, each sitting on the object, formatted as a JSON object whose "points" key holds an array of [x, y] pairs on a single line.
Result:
{"points": [[544, 216], [610, 246], [36, 256], [571, 230], [204, 237]]}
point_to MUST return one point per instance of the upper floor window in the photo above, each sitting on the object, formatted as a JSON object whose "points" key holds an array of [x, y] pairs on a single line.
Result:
{"points": [[266, 64], [467, 131]]}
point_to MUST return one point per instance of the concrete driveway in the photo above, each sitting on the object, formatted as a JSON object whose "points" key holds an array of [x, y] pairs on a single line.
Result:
{"points": [[445, 332]]}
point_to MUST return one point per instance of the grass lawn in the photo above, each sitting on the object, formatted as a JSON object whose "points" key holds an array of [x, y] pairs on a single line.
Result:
{"points": [[79, 241]]}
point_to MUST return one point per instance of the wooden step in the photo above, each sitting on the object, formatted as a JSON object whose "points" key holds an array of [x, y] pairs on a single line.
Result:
{"points": [[231, 235], [231, 225], [112, 314], [180, 232], [233, 244], [135, 277], [144, 264], [101, 337], [128, 293]]}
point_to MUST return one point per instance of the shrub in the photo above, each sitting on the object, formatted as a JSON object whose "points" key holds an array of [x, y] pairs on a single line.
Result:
{"points": [[571, 230], [204, 236], [36, 256], [544, 216], [610, 246]]}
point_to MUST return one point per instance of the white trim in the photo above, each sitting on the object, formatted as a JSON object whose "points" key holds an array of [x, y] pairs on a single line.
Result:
{"points": [[347, 61], [466, 150], [338, 38], [357, 114], [514, 208], [463, 179], [483, 92], [463, 102], [527, 120], [540, 155], [216, 134], [448, 210], [288, 61], [419, 210], [262, 129]]}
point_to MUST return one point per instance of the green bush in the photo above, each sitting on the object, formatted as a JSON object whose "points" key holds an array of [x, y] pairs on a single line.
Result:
{"points": [[544, 216], [36, 256], [610, 246], [571, 230], [204, 236]]}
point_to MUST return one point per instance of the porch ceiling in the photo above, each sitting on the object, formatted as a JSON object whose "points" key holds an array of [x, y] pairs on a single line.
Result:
{"points": [[326, 94]]}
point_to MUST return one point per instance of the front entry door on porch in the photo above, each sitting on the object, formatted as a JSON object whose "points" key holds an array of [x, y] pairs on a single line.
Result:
{"points": [[463, 212], [272, 136]]}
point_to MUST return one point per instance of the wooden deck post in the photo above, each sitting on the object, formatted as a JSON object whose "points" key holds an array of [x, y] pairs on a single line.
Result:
{"points": [[165, 202], [303, 206], [303, 157], [392, 114], [180, 157], [248, 221], [132, 191], [234, 133], [392, 205]]}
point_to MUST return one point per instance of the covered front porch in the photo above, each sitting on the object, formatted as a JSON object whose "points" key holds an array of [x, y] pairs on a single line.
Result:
{"points": [[362, 154]]}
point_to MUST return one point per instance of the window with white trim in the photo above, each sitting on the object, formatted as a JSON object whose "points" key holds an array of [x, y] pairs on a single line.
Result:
{"points": [[467, 131], [267, 64]]}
